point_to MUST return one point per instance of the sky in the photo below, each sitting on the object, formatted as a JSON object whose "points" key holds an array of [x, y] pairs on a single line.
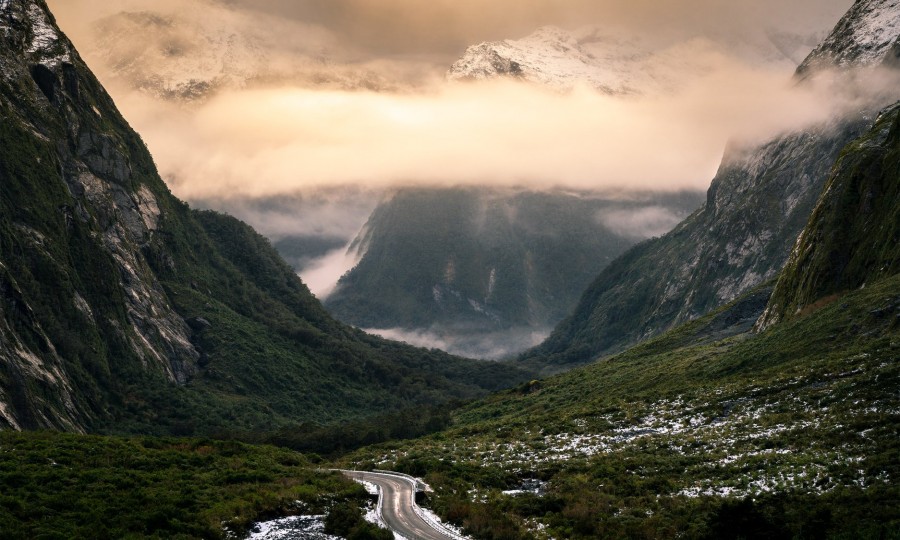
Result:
{"points": [[381, 28], [329, 94]]}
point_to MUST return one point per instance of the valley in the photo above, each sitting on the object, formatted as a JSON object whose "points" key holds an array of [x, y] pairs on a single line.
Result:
{"points": [[487, 273], [584, 349]]}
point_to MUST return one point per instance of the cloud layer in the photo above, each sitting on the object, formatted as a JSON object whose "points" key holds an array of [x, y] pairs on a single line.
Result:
{"points": [[265, 142], [275, 133]]}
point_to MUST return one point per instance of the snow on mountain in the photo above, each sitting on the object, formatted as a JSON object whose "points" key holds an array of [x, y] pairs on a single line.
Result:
{"points": [[558, 58], [861, 38], [182, 58], [617, 64], [188, 55], [42, 44]]}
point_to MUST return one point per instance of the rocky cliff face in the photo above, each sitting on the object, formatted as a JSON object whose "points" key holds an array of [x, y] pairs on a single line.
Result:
{"points": [[863, 37], [122, 309], [853, 236], [757, 205], [72, 189]]}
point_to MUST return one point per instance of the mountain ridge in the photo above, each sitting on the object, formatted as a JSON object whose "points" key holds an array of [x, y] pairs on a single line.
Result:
{"points": [[612, 62], [863, 37]]}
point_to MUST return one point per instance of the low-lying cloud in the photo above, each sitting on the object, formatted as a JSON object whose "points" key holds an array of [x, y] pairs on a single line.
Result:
{"points": [[640, 223], [481, 345], [322, 275], [319, 107], [314, 96], [265, 142], [337, 213]]}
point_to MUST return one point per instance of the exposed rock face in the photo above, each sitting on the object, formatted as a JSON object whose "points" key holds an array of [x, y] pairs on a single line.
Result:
{"points": [[49, 98], [756, 206], [863, 37], [853, 236]]}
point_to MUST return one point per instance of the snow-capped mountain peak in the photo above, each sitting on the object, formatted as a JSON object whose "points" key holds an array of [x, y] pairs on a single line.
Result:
{"points": [[861, 38], [616, 64], [558, 58]]}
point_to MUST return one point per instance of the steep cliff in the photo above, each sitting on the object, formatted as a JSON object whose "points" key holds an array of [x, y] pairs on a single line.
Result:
{"points": [[853, 235]]}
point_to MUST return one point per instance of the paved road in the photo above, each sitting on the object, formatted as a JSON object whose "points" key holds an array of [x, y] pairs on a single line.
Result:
{"points": [[397, 501]]}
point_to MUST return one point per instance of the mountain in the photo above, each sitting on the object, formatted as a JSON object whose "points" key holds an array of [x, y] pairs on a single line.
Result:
{"points": [[121, 309], [756, 206], [483, 271], [190, 54], [559, 58], [786, 433], [867, 35], [853, 236], [175, 58], [617, 64]]}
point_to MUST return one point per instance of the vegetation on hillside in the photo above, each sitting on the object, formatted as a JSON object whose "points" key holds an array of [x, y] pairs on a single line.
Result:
{"points": [[794, 431], [68, 486], [853, 236]]}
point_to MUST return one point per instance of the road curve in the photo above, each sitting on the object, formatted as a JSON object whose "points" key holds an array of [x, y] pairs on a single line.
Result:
{"points": [[397, 502]]}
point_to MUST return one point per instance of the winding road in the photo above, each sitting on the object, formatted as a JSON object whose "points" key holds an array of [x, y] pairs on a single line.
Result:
{"points": [[398, 507]]}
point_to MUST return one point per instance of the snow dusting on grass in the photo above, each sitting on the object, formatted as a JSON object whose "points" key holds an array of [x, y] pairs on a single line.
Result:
{"points": [[292, 528], [738, 440]]}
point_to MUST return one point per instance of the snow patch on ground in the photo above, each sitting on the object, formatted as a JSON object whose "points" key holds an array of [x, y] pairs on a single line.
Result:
{"points": [[435, 522], [373, 512], [371, 488], [292, 528], [747, 437]]}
